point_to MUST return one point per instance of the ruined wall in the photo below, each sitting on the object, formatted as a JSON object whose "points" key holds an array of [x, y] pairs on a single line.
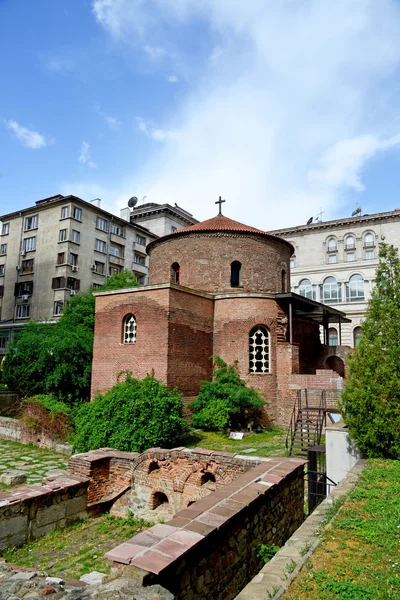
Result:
{"points": [[135, 481], [209, 550], [182, 476], [109, 471], [28, 512]]}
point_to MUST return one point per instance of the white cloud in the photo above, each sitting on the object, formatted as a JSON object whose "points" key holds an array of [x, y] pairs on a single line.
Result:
{"points": [[156, 133], [84, 155], [59, 65], [341, 165], [171, 79], [155, 52], [28, 137], [285, 110], [112, 122]]}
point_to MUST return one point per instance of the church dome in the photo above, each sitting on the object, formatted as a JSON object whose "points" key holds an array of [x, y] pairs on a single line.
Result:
{"points": [[221, 255]]}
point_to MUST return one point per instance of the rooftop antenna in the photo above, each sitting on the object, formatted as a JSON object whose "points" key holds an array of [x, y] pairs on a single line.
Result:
{"points": [[357, 211], [318, 218], [310, 220], [132, 201], [220, 201]]}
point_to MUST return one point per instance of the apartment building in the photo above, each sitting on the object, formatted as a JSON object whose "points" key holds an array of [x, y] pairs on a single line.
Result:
{"points": [[161, 219], [58, 247], [335, 263]]}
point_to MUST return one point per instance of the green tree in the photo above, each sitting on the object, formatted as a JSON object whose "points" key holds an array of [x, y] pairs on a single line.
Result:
{"points": [[371, 399], [133, 416], [225, 401], [57, 359], [28, 360]]}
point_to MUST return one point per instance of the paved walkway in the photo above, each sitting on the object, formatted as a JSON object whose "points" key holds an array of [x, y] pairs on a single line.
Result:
{"points": [[35, 462]]}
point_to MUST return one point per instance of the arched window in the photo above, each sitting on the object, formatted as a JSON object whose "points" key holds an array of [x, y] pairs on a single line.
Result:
{"points": [[235, 273], [350, 243], [333, 336], [331, 291], [355, 289], [332, 245], [129, 331], [175, 273], [357, 334], [369, 240], [283, 280], [259, 350], [306, 289]]}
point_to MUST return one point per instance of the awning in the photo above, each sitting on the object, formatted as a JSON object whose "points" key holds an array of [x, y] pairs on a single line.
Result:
{"points": [[310, 309]]}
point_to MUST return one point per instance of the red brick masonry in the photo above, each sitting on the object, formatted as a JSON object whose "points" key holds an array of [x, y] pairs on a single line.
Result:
{"points": [[209, 550]]}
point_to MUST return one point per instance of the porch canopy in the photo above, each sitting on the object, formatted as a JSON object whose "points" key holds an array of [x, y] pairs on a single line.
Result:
{"points": [[298, 306]]}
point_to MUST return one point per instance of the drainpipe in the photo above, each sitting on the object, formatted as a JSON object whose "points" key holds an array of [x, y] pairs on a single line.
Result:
{"points": [[19, 262], [290, 323], [108, 249]]}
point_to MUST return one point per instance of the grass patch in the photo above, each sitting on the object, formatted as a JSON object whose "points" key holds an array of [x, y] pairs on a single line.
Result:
{"points": [[269, 443], [359, 557], [77, 549]]}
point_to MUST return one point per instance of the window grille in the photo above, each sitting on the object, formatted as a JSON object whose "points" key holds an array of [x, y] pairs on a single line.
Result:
{"points": [[259, 350], [130, 330]]}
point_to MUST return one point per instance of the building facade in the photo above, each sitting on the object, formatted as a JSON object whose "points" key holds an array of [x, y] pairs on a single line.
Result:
{"points": [[217, 288], [60, 246], [160, 219], [335, 263]]}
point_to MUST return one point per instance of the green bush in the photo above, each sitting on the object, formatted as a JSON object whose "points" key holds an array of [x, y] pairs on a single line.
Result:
{"points": [[57, 358], [370, 401], [133, 416], [225, 401]]}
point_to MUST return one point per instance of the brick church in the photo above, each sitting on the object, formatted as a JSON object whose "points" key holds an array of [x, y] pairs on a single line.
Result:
{"points": [[218, 288]]}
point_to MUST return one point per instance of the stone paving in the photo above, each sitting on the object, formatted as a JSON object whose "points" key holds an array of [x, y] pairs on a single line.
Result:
{"points": [[16, 583], [36, 462]]}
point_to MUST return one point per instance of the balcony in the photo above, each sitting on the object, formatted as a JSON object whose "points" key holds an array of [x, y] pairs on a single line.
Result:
{"points": [[116, 260], [137, 268], [139, 248]]}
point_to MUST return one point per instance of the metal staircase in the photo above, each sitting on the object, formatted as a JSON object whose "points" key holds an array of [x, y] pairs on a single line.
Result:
{"points": [[306, 423]]}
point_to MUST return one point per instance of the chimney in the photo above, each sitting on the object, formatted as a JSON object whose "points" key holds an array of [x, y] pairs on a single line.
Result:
{"points": [[96, 202], [125, 213]]}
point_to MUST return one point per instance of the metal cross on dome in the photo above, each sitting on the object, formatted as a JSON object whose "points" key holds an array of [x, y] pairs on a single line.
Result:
{"points": [[220, 201]]}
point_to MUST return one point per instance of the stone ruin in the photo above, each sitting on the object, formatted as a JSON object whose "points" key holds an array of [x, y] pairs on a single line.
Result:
{"points": [[217, 508]]}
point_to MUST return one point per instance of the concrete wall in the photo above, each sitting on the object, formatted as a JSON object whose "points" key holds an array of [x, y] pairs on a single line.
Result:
{"points": [[29, 512], [341, 452]]}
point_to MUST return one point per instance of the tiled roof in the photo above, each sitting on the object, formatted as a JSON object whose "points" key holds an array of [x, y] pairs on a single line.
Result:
{"points": [[220, 223]]}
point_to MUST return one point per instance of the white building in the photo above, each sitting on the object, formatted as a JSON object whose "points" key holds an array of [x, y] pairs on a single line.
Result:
{"points": [[335, 263]]}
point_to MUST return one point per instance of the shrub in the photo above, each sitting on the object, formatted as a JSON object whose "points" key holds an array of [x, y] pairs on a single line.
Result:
{"points": [[57, 358], [225, 401], [44, 414], [371, 399], [133, 416]]}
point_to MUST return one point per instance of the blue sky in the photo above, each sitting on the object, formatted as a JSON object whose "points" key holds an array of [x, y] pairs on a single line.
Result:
{"points": [[283, 108]]}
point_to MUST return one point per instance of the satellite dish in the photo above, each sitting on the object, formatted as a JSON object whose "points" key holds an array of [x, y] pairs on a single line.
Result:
{"points": [[310, 220], [356, 212], [132, 201]]}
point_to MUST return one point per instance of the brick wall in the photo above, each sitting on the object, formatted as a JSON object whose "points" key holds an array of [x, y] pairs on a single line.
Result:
{"points": [[209, 550], [205, 261], [182, 475], [31, 511], [109, 471], [190, 343]]}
